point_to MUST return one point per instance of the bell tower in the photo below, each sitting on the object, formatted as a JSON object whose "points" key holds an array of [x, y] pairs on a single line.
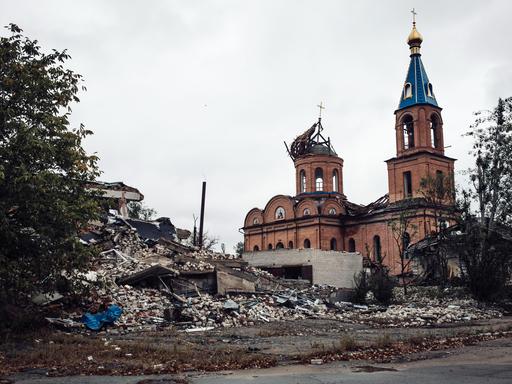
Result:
{"points": [[418, 130]]}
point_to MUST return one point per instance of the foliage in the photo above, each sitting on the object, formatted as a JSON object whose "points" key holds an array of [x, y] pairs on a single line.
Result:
{"points": [[137, 210], [381, 284], [361, 287], [482, 250], [239, 248], [492, 175], [44, 171], [486, 273]]}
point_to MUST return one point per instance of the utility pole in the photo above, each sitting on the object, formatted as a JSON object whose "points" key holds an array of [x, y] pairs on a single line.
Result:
{"points": [[201, 219]]}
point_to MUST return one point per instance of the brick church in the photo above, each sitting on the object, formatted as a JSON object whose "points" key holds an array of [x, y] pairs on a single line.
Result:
{"points": [[320, 216]]}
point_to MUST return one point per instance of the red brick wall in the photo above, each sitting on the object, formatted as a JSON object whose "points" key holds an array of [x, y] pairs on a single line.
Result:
{"points": [[327, 163]]}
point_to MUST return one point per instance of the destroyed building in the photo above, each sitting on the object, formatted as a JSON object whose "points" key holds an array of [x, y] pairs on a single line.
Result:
{"points": [[119, 192], [321, 217]]}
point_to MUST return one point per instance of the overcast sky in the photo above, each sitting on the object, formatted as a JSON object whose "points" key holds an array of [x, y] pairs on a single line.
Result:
{"points": [[185, 91]]}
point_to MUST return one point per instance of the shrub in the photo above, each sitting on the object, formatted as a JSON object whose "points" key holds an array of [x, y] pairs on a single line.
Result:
{"points": [[361, 287], [381, 285]]}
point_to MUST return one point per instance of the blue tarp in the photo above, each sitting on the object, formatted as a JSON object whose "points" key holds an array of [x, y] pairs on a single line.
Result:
{"points": [[96, 321]]}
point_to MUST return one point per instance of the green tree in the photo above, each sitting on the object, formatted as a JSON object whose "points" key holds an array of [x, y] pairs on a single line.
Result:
{"points": [[44, 171], [487, 264], [137, 210], [239, 248]]}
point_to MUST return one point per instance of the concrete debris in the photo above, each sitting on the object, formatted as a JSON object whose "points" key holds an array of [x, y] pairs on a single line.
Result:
{"points": [[167, 283]]}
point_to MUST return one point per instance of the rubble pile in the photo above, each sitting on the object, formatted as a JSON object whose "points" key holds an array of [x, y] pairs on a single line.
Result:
{"points": [[159, 283], [423, 306]]}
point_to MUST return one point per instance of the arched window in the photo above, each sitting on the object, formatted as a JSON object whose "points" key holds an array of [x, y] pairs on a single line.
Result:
{"points": [[280, 213], [270, 247], [306, 212], [351, 245], [406, 240], [307, 243], [302, 181], [334, 244], [255, 221], [290, 244], [430, 91], [407, 90], [434, 131], [319, 179], [335, 181], [256, 248], [408, 132], [332, 211], [377, 250]]}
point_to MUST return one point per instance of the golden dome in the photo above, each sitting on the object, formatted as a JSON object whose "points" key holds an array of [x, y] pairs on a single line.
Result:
{"points": [[414, 40], [414, 37]]}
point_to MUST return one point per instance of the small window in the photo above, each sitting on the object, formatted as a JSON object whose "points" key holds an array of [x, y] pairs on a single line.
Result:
{"points": [[430, 91], [407, 90], [290, 244], [302, 181], [306, 212], [407, 184], [377, 250], [256, 248], [280, 213], [334, 244], [335, 181], [279, 245], [332, 211], [307, 243], [256, 221], [319, 179], [270, 247], [406, 240], [351, 245]]}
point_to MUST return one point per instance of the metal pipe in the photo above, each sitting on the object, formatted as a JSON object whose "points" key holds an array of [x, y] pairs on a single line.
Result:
{"points": [[201, 219]]}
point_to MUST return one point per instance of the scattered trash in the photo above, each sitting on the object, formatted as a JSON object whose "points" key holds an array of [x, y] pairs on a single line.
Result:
{"points": [[96, 321]]}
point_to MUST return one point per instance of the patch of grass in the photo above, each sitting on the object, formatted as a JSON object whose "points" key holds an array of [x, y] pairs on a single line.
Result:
{"points": [[347, 343], [416, 340], [384, 341], [87, 354], [271, 332], [317, 345]]}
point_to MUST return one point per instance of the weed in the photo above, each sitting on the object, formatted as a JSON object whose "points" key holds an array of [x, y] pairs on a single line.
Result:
{"points": [[384, 341], [348, 343]]}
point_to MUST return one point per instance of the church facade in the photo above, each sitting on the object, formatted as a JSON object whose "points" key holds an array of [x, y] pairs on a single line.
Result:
{"points": [[320, 216]]}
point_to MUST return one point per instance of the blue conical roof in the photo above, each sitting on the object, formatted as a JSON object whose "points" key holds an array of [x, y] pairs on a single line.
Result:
{"points": [[421, 90]]}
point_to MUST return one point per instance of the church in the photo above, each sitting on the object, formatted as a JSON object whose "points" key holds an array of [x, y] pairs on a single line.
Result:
{"points": [[321, 217]]}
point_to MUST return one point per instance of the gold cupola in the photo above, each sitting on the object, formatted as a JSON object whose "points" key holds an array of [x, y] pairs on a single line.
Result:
{"points": [[415, 39]]}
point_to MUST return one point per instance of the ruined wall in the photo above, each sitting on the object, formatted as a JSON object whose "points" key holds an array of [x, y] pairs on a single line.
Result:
{"points": [[329, 267]]}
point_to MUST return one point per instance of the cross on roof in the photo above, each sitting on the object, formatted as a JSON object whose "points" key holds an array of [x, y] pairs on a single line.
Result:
{"points": [[320, 106], [413, 16]]}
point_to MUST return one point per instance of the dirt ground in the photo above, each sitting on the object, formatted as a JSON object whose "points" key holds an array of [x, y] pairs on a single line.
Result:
{"points": [[58, 353]]}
